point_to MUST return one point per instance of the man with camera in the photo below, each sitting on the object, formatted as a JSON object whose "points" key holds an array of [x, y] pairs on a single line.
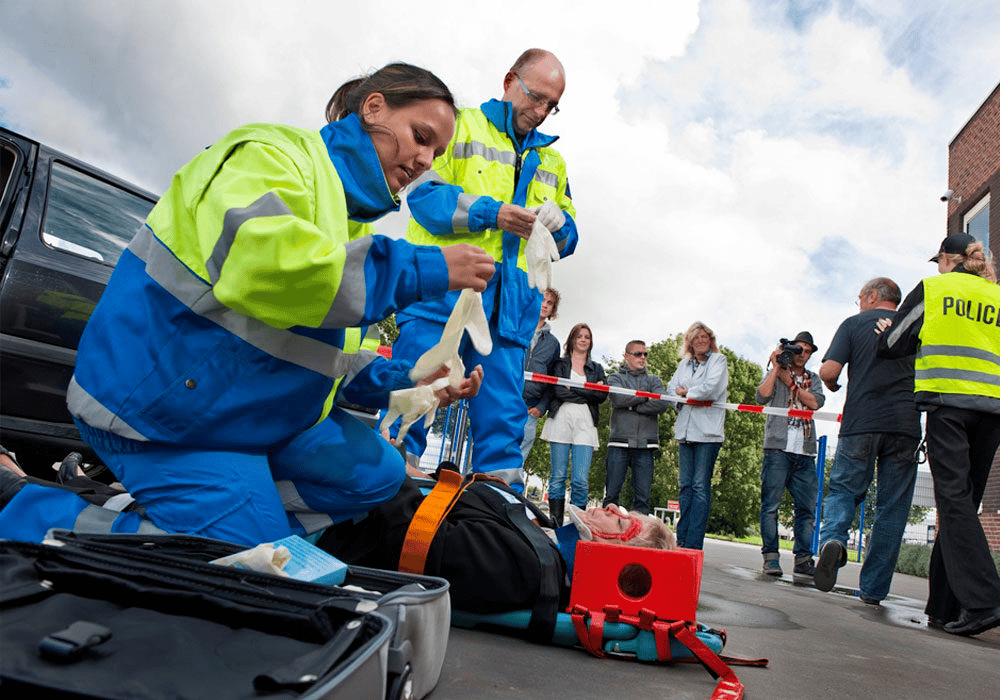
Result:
{"points": [[880, 424], [789, 451]]}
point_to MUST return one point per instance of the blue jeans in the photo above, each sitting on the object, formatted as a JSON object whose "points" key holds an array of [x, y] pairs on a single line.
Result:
{"points": [[696, 462], [530, 432], [617, 464], [580, 481], [797, 473], [850, 476]]}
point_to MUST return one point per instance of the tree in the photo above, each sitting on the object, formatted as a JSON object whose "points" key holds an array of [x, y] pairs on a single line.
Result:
{"points": [[736, 482], [387, 330]]}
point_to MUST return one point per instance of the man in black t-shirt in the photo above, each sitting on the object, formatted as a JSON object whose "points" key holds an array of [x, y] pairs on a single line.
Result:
{"points": [[880, 425]]}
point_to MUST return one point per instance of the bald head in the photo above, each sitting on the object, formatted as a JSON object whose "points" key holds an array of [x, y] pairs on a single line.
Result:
{"points": [[534, 86]]}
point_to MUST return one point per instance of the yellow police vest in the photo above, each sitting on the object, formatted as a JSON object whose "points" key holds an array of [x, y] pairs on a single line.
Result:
{"points": [[959, 352]]}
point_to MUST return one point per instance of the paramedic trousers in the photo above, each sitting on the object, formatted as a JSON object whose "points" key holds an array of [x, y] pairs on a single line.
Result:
{"points": [[496, 414], [335, 470]]}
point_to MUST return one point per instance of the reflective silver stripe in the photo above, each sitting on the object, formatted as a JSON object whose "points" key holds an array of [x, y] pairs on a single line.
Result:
{"points": [[311, 520], [192, 291], [476, 148], [511, 476], [560, 245], [546, 178], [268, 205], [961, 375], [92, 412], [429, 176], [460, 219], [958, 351], [361, 360], [119, 502], [348, 306], [897, 329], [101, 520]]}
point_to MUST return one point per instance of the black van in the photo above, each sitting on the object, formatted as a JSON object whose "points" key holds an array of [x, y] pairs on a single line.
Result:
{"points": [[63, 225]]}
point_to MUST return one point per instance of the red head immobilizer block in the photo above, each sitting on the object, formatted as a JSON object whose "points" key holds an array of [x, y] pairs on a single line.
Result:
{"points": [[665, 581]]}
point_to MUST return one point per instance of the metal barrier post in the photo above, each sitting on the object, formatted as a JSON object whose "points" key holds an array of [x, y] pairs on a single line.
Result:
{"points": [[861, 528], [820, 471], [444, 434]]}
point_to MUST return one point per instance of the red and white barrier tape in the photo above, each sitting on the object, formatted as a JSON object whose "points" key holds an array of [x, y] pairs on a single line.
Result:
{"points": [[745, 407]]}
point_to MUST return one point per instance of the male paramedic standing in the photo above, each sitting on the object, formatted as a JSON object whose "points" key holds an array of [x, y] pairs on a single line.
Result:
{"points": [[487, 189]]}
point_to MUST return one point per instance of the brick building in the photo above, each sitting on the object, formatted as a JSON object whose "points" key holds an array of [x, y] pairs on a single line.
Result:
{"points": [[973, 174]]}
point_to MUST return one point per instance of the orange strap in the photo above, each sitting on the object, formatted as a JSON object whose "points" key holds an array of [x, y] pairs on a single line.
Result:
{"points": [[431, 512]]}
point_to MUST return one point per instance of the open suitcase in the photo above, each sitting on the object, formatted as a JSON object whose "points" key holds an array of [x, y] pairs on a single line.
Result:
{"points": [[137, 616]]}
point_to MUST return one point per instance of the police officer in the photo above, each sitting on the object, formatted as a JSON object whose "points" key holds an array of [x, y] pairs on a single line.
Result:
{"points": [[952, 322]]}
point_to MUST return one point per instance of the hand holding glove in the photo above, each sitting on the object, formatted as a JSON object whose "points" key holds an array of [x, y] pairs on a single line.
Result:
{"points": [[411, 405], [550, 215], [468, 315], [540, 252]]}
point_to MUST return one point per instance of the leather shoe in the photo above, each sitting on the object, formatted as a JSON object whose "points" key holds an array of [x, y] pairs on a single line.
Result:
{"points": [[974, 621], [832, 556], [935, 624]]}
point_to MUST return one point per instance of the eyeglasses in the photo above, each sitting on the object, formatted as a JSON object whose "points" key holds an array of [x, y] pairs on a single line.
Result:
{"points": [[638, 354], [551, 106]]}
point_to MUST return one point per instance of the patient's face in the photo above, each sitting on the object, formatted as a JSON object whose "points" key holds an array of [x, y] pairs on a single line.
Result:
{"points": [[608, 520]]}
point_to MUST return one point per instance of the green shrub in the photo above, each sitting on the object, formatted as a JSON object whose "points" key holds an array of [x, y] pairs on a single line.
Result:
{"points": [[915, 559]]}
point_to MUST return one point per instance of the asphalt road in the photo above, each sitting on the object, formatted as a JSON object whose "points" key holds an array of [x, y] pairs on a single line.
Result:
{"points": [[820, 645]]}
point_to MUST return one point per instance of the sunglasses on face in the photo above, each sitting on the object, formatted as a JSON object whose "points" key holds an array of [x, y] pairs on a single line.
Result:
{"points": [[639, 353]]}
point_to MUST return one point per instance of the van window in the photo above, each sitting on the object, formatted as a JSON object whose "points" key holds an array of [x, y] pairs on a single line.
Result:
{"points": [[8, 159], [90, 217]]}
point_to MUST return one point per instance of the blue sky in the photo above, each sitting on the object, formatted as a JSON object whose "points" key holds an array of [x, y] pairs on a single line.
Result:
{"points": [[745, 163]]}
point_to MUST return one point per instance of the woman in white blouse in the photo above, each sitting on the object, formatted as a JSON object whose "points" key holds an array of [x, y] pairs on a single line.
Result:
{"points": [[571, 427]]}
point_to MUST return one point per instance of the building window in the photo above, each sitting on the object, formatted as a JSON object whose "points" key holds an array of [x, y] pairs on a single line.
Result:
{"points": [[976, 221]]}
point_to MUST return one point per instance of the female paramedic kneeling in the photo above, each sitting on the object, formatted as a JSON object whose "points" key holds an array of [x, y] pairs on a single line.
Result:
{"points": [[209, 368], [951, 323]]}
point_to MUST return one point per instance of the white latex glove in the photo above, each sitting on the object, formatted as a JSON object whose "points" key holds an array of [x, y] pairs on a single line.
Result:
{"points": [[550, 215], [412, 404], [265, 558], [468, 315], [540, 252]]}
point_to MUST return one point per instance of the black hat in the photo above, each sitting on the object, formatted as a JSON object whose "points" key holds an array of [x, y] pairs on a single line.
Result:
{"points": [[957, 245], [806, 337]]}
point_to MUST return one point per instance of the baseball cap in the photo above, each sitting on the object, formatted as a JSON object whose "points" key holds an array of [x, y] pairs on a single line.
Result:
{"points": [[956, 245]]}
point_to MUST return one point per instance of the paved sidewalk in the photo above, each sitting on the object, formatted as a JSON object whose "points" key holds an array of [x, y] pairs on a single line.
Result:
{"points": [[820, 645]]}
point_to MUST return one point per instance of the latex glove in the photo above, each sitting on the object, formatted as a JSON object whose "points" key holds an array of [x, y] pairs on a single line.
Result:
{"points": [[265, 558], [412, 404], [540, 252], [468, 315], [550, 215]]}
